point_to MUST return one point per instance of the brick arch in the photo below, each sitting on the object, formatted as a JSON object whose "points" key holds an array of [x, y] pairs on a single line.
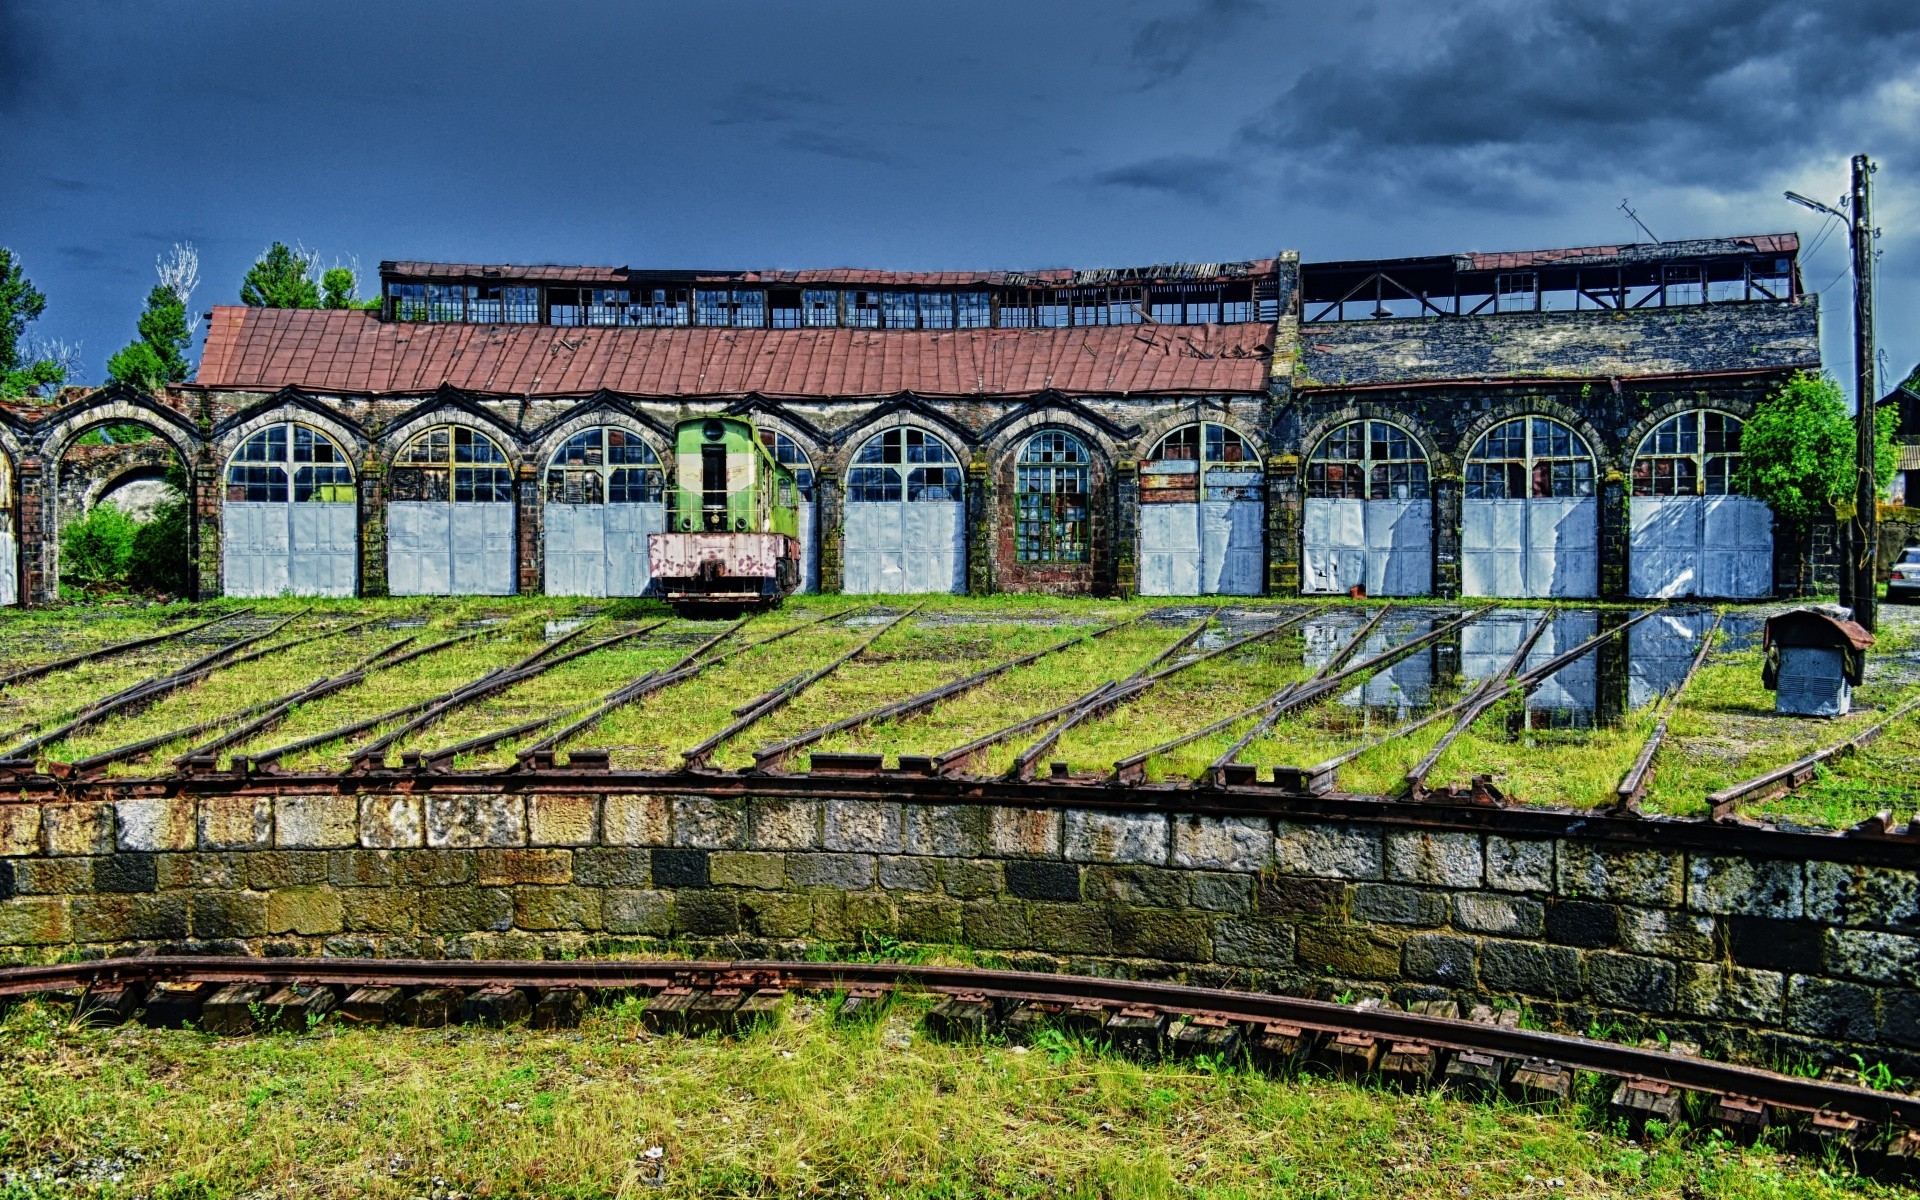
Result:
{"points": [[841, 458], [388, 445], [1003, 449], [353, 443], [1151, 432], [818, 452], [1438, 460], [141, 462], [1655, 417], [594, 418], [1604, 458], [56, 439]]}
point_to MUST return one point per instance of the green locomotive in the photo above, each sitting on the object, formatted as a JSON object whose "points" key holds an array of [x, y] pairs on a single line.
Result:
{"points": [[732, 541]]}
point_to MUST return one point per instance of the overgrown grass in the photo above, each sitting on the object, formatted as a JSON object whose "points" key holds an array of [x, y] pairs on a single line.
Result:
{"points": [[806, 1107]]}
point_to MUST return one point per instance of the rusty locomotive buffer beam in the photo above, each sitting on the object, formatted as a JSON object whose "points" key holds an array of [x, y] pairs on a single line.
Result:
{"points": [[1736, 1088], [1231, 755], [1786, 778], [774, 758], [1633, 785], [1138, 685], [1133, 769], [27, 674]]}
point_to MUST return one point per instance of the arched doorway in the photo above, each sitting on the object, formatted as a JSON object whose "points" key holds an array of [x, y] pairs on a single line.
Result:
{"points": [[1692, 533], [1052, 518], [906, 520], [121, 513], [9, 538], [606, 492], [1202, 515], [450, 519], [290, 522], [1368, 519], [1529, 518], [789, 454]]}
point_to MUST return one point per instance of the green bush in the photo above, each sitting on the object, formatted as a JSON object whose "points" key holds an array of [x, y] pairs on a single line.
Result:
{"points": [[157, 558], [1799, 447], [95, 549]]}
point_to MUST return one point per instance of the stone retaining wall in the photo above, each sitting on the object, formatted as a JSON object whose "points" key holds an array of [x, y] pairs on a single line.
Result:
{"points": [[1768, 960]]}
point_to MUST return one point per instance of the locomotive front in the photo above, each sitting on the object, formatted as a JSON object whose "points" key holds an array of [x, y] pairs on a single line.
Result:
{"points": [[732, 540]]}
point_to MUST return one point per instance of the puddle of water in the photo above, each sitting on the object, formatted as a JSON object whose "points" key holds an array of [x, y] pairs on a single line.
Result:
{"points": [[481, 623], [405, 623], [556, 628]]}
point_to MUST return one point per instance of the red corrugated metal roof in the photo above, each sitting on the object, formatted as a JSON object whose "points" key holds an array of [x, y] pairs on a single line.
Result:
{"points": [[355, 352], [847, 276]]}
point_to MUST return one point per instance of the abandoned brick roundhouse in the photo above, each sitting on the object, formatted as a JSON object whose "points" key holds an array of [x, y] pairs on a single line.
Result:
{"points": [[1548, 423]]}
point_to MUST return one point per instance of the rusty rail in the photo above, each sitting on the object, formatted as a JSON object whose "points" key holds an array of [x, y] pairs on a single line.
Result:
{"points": [[25, 674], [1334, 663], [1633, 785], [1482, 698], [1784, 779]]}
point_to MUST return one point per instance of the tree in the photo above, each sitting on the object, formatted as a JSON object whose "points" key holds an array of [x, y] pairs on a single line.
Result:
{"points": [[337, 288], [160, 356], [283, 278], [1799, 447], [23, 372]]}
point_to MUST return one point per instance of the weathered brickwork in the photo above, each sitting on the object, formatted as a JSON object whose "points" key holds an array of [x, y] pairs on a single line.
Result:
{"points": [[1759, 958]]}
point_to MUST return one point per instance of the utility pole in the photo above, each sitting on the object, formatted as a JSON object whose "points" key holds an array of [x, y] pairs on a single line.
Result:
{"points": [[1866, 513]]}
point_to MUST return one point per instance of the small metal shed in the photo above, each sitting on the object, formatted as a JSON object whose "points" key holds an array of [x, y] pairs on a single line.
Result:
{"points": [[1813, 661]]}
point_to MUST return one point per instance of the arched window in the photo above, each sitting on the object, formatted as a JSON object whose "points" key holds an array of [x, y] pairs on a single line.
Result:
{"points": [[1051, 524], [453, 462], [904, 463], [283, 462], [1367, 460], [1529, 458], [788, 454], [1694, 454], [1220, 444], [607, 465]]}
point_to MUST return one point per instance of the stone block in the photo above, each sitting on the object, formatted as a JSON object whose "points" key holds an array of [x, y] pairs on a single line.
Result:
{"points": [[1590, 872], [202, 871], [129, 918], [35, 921], [1878, 957], [1154, 887], [706, 913], [1631, 981], [946, 830], [1222, 843], [555, 908], [1534, 969], [995, 925], [783, 824], [53, 876], [380, 910], [1721, 992], [1515, 865], [1350, 951], [675, 867], [504, 868], [1583, 923], [461, 822], [1770, 945], [1395, 904], [1069, 929], [637, 911], [1329, 851], [748, 869], [864, 826], [848, 872], [1023, 832], [968, 878], [929, 919], [1041, 880], [236, 822], [308, 911], [1882, 897], [1291, 896], [227, 914], [1268, 945], [562, 819], [20, 830], [708, 822], [1440, 958], [78, 829], [269, 869], [1219, 891], [1490, 912], [1900, 1018], [146, 823], [391, 822], [774, 915], [466, 910], [1116, 837], [437, 868], [323, 821], [1453, 860], [1749, 887], [1826, 1008], [1666, 932], [1158, 933], [906, 873], [634, 819], [614, 866]]}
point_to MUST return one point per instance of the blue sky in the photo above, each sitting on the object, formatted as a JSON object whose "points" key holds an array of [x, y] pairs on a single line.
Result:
{"points": [[922, 136]]}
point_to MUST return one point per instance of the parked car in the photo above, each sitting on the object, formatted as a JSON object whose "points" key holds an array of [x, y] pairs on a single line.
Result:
{"points": [[1905, 584]]}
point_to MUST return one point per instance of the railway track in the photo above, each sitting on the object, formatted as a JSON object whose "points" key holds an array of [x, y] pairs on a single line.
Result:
{"points": [[1430, 1046]]}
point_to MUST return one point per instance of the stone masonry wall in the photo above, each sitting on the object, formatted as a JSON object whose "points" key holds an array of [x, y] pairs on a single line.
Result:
{"points": [[1766, 960]]}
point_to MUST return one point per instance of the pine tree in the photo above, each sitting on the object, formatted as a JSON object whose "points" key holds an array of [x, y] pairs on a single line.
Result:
{"points": [[20, 304], [283, 278], [159, 357]]}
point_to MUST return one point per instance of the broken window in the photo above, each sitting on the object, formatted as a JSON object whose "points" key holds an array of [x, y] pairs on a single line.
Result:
{"points": [[784, 309], [1681, 284], [606, 306], [731, 308], [888, 468], [1517, 291], [788, 454], [452, 462], [900, 310], [661, 308], [820, 308], [863, 310], [1696, 453], [936, 310], [1205, 456], [1529, 457], [608, 465], [1054, 479], [973, 310], [1368, 460], [257, 473], [407, 301]]}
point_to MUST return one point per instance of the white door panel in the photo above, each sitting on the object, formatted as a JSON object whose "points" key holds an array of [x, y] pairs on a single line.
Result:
{"points": [[1232, 547], [481, 549], [1334, 545], [576, 557], [9, 565], [1492, 547], [1663, 546], [628, 526], [1169, 550], [1399, 537], [324, 544], [420, 548], [1563, 547], [255, 544], [934, 547], [1736, 547]]}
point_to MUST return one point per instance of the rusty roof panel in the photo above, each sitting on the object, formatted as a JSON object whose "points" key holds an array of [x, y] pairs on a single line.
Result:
{"points": [[831, 276], [355, 352]]}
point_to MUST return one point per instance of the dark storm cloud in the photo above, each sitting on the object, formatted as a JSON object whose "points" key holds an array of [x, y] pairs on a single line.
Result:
{"points": [[1166, 46], [1191, 176]]}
